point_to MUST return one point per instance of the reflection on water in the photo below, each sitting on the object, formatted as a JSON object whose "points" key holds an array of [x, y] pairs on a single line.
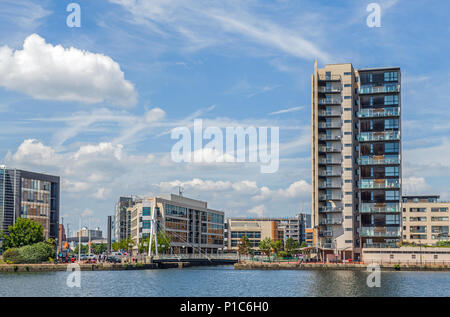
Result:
{"points": [[225, 281]]}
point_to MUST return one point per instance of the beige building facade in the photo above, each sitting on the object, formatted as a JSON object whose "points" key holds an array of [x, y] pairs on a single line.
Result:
{"points": [[425, 219]]}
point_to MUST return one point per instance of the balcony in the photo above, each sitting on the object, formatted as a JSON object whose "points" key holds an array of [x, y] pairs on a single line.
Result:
{"points": [[330, 125], [330, 162], [380, 160], [324, 222], [324, 137], [379, 184], [329, 149], [330, 113], [330, 101], [380, 245], [330, 197], [379, 136], [329, 185], [379, 208], [379, 232], [328, 246], [326, 233], [329, 77], [376, 113], [380, 89], [325, 90], [332, 173], [330, 209]]}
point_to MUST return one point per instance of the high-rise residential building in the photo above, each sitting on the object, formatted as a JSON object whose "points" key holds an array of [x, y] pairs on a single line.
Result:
{"points": [[29, 195], [425, 219], [356, 158]]}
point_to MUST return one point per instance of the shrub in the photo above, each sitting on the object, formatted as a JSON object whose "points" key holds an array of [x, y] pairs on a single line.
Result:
{"points": [[11, 256], [36, 253]]}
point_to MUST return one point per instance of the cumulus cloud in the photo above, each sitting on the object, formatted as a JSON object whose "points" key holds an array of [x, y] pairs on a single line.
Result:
{"points": [[415, 185], [35, 151], [100, 150], [258, 210], [49, 72]]}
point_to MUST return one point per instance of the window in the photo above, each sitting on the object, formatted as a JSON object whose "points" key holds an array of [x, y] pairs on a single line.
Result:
{"points": [[391, 76], [391, 171], [348, 145], [441, 209], [347, 133], [347, 97], [392, 195], [391, 147], [347, 109], [391, 124], [347, 121], [347, 85], [347, 73], [391, 100]]}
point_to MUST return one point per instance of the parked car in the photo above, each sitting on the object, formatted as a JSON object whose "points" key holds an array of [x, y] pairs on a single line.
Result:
{"points": [[113, 259]]}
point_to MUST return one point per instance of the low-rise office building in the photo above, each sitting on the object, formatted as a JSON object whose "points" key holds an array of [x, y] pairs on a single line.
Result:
{"points": [[257, 229], [425, 219], [193, 228]]}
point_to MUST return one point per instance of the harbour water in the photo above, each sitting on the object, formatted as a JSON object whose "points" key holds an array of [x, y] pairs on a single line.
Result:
{"points": [[224, 281]]}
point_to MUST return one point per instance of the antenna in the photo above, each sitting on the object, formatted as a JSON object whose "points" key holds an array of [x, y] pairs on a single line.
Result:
{"points": [[180, 190]]}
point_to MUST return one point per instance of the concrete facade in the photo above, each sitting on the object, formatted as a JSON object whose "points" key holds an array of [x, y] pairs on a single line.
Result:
{"points": [[425, 219]]}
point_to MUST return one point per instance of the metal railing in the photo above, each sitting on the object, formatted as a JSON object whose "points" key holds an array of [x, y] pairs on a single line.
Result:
{"points": [[379, 136], [370, 113], [330, 101], [325, 113], [329, 125], [381, 89], [329, 89], [329, 77], [324, 137], [381, 161]]}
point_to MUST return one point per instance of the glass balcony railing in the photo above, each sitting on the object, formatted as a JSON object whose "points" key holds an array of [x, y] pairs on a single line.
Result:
{"points": [[326, 233], [330, 101], [329, 77], [381, 245], [324, 137], [330, 89], [330, 113], [325, 185], [374, 113], [380, 89], [330, 221], [381, 160], [329, 125], [374, 184], [330, 173], [379, 208], [379, 136], [329, 197], [330, 209], [329, 149], [379, 232]]}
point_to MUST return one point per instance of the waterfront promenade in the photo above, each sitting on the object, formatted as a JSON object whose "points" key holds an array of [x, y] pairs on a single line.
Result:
{"points": [[295, 265]]}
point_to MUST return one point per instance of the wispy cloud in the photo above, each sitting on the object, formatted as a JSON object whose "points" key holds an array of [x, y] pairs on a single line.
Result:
{"points": [[205, 24], [293, 109]]}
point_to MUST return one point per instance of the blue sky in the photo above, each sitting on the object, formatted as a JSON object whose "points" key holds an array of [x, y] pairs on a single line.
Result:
{"points": [[96, 104]]}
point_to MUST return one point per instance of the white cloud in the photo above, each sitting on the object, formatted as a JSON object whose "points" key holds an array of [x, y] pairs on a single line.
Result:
{"points": [[287, 110], [415, 186], [104, 149], [258, 210], [35, 151], [49, 72], [87, 212]]}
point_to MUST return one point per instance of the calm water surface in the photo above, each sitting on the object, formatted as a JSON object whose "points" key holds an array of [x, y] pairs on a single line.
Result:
{"points": [[225, 281]]}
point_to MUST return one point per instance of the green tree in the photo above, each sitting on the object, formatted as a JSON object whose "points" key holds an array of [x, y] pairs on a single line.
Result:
{"points": [[266, 246], [24, 232], [304, 244], [277, 246], [164, 241], [99, 248], [290, 246], [244, 245], [84, 249], [115, 246]]}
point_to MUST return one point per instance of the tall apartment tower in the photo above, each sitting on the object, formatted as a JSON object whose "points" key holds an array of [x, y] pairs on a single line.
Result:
{"points": [[356, 158]]}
